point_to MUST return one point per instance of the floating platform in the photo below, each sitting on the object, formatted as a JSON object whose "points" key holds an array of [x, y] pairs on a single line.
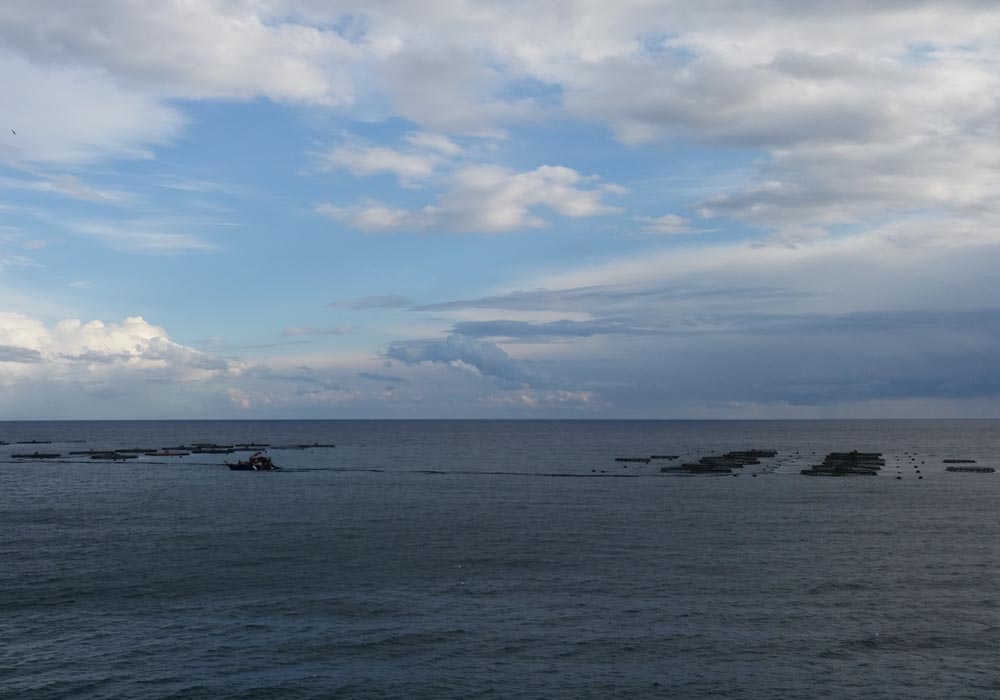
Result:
{"points": [[754, 454], [852, 463], [37, 455], [643, 460], [697, 472], [959, 461], [972, 470], [696, 468]]}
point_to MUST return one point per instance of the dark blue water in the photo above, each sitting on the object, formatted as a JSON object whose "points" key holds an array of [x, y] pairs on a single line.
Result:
{"points": [[499, 559]]}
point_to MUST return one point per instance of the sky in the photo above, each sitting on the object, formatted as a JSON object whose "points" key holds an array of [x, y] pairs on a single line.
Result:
{"points": [[499, 209]]}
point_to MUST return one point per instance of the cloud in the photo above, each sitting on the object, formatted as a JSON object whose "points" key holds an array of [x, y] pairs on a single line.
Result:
{"points": [[75, 115], [141, 236], [616, 293], [829, 185], [13, 353], [460, 352], [361, 160], [486, 199], [233, 51], [666, 224], [15, 261], [856, 114], [429, 141], [531, 399], [446, 85], [551, 329], [72, 350], [371, 217], [66, 185], [823, 328], [850, 151]]}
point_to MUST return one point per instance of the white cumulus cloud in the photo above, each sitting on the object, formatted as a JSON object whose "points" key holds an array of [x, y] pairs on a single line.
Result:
{"points": [[487, 199]]}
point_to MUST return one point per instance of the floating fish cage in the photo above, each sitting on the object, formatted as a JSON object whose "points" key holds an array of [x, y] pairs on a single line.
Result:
{"points": [[852, 463]]}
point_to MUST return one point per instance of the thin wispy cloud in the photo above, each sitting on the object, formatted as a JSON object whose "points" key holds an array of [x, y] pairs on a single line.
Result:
{"points": [[666, 223], [142, 237], [67, 186]]}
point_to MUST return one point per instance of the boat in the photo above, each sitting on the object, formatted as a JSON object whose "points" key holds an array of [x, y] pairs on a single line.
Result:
{"points": [[258, 462]]}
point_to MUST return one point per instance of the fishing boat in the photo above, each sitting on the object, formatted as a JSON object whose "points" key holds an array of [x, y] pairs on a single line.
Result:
{"points": [[258, 462]]}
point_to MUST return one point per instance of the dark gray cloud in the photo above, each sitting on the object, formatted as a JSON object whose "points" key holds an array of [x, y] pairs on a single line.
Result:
{"points": [[604, 296], [552, 329], [980, 321], [13, 353], [486, 357]]}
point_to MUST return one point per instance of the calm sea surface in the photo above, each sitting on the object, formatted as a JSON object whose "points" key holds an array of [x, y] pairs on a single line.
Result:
{"points": [[440, 559]]}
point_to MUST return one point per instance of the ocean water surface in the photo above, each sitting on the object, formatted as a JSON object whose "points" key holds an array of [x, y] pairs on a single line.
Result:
{"points": [[498, 559]]}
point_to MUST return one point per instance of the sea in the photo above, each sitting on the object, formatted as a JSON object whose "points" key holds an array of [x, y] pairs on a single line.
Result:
{"points": [[498, 559]]}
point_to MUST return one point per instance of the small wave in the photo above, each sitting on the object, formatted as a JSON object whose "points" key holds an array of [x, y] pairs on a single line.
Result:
{"points": [[837, 586]]}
